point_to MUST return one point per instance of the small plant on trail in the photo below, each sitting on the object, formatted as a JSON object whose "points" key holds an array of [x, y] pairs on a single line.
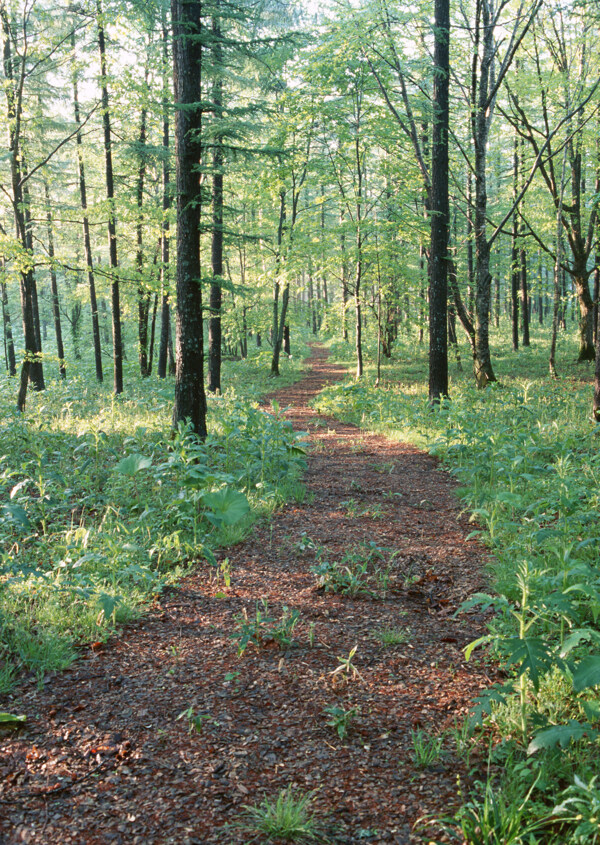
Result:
{"points": [[222, 571], [251, 631], [393, 636], [340, 718], [195, 720], [346, 671], [360, 569], [263, 628], [352, 507], [287, 817], [304, 543], [427, 750], [283, 629]]}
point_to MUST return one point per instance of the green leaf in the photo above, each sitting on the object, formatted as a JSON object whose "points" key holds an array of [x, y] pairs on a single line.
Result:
{"points": [[532, 655], [475, 644], [133, 464], [108, 604], [228, 506], [11, 720], [587, 673], [591, 710], [578, 636], [16, 514], [561, 735]]}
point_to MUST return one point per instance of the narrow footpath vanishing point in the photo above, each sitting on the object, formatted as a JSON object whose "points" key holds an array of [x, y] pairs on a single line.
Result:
{"points": [[104, 758]]}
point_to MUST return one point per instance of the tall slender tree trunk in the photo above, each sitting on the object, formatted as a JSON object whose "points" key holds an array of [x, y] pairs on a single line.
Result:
{"points": [[438, 255], [60, 350], [481, 124], [165, 309], [344, 269], [524, 290], [556, 311], [514, 251], [470, 266], [214, 324], [278, 319], [110, 195], [87, 244], [359, 257], [32, 362], [143, 294], [9, 346], [190, 398]]}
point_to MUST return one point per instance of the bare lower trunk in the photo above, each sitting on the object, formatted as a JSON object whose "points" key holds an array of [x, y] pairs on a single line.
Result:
{"points": [[9, 346], [190, 398], [586, 319]]}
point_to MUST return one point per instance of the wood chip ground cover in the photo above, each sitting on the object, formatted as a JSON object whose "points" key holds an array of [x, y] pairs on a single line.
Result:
{"points": [[104, 758]]}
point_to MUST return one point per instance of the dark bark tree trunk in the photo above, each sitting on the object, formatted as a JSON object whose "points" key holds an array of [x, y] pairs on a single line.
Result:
{"points": [[32, 363], [152, 334], [190, 398], [9, 346], [110, 195], [143, 294], [87, 245], [165, 310], [470, 264], [60, 349], [514, 251], [344, 269], [524, 291], [214, 324], [275, 329], [438, 255], [75, 321]]}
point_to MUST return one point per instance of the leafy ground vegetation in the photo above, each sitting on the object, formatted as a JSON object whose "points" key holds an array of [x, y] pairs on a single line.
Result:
{"points": [[331, 677], [102, 505], [526, 455], [307, 685]]}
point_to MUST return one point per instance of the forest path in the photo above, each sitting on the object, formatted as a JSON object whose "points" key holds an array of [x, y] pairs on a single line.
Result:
{"points": [[104, 758]]}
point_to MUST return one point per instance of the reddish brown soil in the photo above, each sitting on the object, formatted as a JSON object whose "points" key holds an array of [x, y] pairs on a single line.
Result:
{"points": [[104, 759]]}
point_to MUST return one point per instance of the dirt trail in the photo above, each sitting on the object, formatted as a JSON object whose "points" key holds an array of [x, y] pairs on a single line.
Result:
{"points": [[104, 759]]}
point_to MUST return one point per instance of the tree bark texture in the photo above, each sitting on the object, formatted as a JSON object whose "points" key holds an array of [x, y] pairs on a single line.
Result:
{"points": [[216, 248], [190, 398], [438, 256], [112, 226], [87, 244]]}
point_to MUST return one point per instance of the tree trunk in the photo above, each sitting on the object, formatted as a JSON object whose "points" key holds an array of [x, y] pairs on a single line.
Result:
{"points": [[214, 324], [165, 310], [9, 346], [190, 398], [32, 363], [278, 320], [86, 232], [143, 295], [524, 292], [60, 350], [110, 195], [438, 255], [514, 251], [152, 334]]}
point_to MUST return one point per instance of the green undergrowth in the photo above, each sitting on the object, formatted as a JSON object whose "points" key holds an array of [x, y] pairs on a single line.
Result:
{"points": [[527, 456], [102, 505]]}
